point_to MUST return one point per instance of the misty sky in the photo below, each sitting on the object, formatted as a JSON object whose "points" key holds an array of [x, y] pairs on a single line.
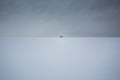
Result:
{"points": [[59, 58], [24, 56], [54, 17]]}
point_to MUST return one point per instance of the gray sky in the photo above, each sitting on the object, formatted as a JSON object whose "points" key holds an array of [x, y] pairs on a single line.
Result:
{"points": [[54, 17]]}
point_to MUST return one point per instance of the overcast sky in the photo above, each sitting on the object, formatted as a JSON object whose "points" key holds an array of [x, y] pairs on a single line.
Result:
{"points": [[35, 17]]}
